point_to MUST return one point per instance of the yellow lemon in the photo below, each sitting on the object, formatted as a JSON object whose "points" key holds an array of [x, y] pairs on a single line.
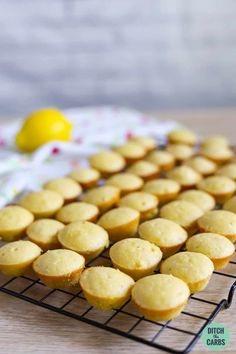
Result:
{"points": [[41, 127]]}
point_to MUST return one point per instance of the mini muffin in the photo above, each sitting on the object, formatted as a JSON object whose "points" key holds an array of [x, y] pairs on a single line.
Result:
{"points": [[202, 165], [166, 234], [120, 222], [195, 269], [218, 248], [218, 154], [106, 288], [66, 187], [42, 204], [86, 177], [145, 203], [183, 213], [44, 232], [104, 197], [160, 297], [185, 176], [228, 170], [13, 222], [78, 211], [181, 152], [131, 151], [126, 182], [59, 268], [144, 169], [221, 222], [164, 159], [16, 257], [135, 257], [107, 162], [164, 189], [182, 136], [201, 199], [217, 140], [230, 205], [84, 237], [147, 142], [220, 187]]}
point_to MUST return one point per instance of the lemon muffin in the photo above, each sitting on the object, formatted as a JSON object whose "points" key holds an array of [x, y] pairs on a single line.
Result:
{"points": [[230, 205], [181, 152], [147, 142], [183, 213], [164, 233], [42, 204], [135, 257], [84, 237], [218, 248], [44, 232], [104, 197], [202, 165], [218, 154], [59, 268], [106, 288], [131, 151], [182, 136], [163, 159], [145, 203], [164, 189], [16, 257], [185, 176], [160, 297], [86, 177], [126, 182], [78, 211], [220, 187], [217, 140], [195, 269], [13, 222], [221, 222], [107, 162], [228, 170], [66, 187], [120, 222], [201, 199], [144, 169]]}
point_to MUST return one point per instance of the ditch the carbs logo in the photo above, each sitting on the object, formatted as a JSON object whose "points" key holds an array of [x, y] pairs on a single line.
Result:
{"points": [[215, 336]]}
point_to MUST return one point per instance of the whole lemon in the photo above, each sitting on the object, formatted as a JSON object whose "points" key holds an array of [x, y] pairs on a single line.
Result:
{"points": [[41, 127]]}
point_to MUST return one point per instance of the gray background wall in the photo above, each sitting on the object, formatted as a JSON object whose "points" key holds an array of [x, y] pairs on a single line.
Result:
{"points": [[146, 54]]}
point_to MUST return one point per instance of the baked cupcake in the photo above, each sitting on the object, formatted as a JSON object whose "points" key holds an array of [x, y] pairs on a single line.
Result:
{"points": [[84, 237], [166, 234], [143, 202], [164, 159], [181, 152], [13, 222], [230, 205], [216, 140], [146, 142], [135, 257], [218, 248], [201, 199], [164, 189], [66, 187], [185, 176], [16, 257], [86, 177], [228, 170], [59, 268], [160, 297], [106, 288], [182, 136], [144, 169], [120, 223], [107, 162], [126, 182], [218, 154], [44, 232], [221, 222], [183, 213], [220, 187], [202, 165], [131, 151], [195, 269], [42, 204], [78, 211], [104, 197]]}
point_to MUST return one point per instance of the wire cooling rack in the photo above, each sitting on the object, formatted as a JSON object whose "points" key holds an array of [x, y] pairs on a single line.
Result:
{"points": [[176, 336]]}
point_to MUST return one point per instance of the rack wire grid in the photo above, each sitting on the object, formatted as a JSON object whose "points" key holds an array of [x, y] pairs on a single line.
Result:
{"points": [[185, 330]]}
